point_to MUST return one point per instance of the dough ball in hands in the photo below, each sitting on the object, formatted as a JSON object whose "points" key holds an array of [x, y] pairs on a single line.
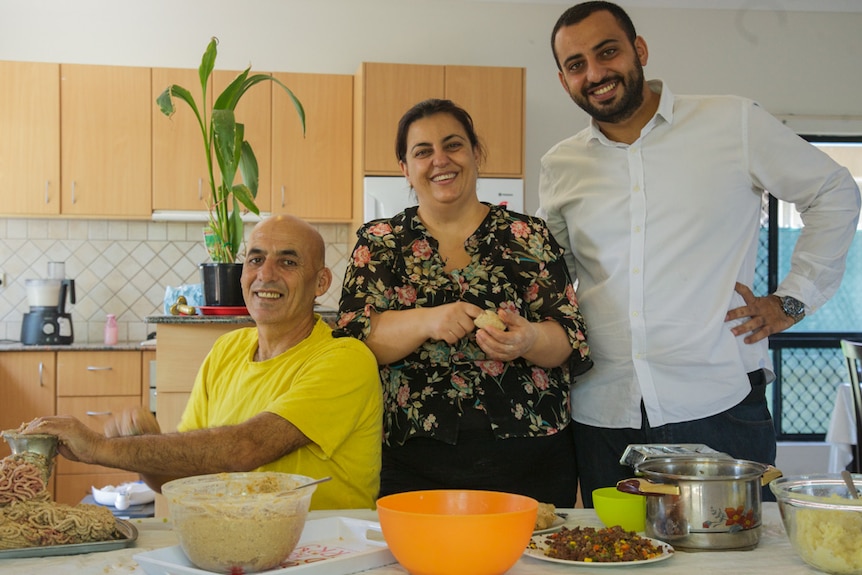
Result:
{"points": [[489, 317]]}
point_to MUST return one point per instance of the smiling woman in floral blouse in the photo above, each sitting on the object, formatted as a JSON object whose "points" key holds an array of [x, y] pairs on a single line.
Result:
{"points": [[466, 407]]}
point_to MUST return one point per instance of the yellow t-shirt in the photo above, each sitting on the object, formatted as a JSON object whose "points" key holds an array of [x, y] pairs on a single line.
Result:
{"points": [[329, 388]]}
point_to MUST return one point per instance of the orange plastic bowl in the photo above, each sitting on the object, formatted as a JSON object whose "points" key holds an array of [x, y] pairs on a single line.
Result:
{"points": [[457, 531]]}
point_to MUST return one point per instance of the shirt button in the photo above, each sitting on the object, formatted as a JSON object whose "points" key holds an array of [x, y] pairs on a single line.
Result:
{"points": [[635, 314], [637, 229], [636, 271]]}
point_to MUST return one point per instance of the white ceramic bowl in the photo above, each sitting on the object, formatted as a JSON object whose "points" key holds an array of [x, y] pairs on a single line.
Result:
{"points": [[138, 493]]}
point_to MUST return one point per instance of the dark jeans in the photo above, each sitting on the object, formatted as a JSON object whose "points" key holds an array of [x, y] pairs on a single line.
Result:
{"points": [[543, 468], [744, 431]]}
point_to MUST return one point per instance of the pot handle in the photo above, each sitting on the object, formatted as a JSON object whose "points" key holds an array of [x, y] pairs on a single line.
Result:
{"points": [[771, 473], [640, 486]]}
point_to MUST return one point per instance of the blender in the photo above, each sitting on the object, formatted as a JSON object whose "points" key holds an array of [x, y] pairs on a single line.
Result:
{"points": [[47, 322]]}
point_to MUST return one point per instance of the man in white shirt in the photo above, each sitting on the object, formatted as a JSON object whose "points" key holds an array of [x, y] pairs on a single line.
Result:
{"points": [[657, 204]]}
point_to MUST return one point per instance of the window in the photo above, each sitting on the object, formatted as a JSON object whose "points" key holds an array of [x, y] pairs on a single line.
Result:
{"points": [[807, 358]]}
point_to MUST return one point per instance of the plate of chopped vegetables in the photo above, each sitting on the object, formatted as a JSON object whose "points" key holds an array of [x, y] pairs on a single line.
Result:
{"points": [[591, 547]]}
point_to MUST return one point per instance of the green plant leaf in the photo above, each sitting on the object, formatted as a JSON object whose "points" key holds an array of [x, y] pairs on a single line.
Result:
{"points": [[205, 70], [249, 169], [226, 132], [243, 194], [166, 102], [236, 228], [296, 103], [230, 96]]}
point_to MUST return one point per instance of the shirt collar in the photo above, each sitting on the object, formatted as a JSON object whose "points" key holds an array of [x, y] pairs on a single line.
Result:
{"points": [[664, 112]]}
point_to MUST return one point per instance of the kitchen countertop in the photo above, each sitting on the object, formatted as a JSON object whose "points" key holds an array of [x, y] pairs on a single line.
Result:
{"points": [[327, 314], [121, 346], [772, 555], [197, 319]]}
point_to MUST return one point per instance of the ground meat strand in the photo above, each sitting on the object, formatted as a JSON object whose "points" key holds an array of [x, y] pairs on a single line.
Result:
{"points": [[610, 545]]}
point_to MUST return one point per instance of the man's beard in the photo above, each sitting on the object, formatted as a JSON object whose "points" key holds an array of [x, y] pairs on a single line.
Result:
{"points": [[633, 97]]}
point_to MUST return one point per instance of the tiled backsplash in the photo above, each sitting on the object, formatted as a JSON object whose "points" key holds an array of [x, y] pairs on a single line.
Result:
{"points": [[119, 267]]}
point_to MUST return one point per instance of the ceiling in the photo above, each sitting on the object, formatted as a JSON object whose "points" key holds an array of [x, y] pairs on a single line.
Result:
{"points": [[779, 5]]}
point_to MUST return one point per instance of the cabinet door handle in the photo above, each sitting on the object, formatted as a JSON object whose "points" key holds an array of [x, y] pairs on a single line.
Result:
{"points": [[47, 196], [98, 413], [74, 199], [41, 370], [282, 196], [97, 368], [200, 189]]}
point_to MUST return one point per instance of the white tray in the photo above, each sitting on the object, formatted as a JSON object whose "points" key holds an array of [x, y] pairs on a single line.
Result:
{"points": [[330, 546]]}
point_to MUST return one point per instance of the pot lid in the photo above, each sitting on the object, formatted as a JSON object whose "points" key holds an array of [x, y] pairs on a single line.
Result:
{"points": [[637, 453], [698, 468]]}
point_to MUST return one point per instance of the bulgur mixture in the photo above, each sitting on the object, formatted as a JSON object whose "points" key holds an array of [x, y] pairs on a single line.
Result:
{"points": [[608, 545]]}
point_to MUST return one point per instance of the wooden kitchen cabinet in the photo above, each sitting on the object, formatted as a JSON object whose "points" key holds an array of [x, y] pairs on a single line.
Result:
{"points": [[312, 175], [94, 386], [28, 388], [30, 146], [105, 150], [494, 97], [383, 92], [28, 391]]}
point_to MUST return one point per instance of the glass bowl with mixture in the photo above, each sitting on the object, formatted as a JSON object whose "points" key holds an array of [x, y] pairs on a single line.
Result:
{"points": [[822, 521], [238, 522]]}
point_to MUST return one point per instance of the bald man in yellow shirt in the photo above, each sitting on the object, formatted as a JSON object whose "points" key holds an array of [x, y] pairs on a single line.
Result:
{"points": [[281, 396]]}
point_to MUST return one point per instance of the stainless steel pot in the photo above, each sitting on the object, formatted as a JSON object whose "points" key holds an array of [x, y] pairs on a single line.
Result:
{"points": [[702, 502]]}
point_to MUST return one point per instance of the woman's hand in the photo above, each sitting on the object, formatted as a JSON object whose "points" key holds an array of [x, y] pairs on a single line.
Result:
{"points": [[397, 333], [516, 341], [450, 322]]}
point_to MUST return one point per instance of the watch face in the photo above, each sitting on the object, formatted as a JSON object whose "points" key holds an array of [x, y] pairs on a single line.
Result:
{"points": [[792, 306]]}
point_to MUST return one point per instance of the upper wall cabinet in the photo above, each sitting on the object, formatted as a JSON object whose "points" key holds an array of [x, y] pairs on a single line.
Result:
{"points": [[30, 145], [180, 175], [493, 96], [311, 175], [383, 92], [105, 151]]}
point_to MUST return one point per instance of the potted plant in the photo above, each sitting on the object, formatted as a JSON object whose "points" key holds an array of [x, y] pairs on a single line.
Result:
{"points": [[225, 148]]}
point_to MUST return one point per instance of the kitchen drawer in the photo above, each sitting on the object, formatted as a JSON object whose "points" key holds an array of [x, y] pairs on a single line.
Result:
{"points": [[71, 489], [91, 373], [94, 412]]}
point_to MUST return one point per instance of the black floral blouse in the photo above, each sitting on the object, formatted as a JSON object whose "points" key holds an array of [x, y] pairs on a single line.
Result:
{"points": [[517, 265]]}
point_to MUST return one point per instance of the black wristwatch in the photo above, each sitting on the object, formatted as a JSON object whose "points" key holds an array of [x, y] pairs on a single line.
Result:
{"points": [[792, 307]]}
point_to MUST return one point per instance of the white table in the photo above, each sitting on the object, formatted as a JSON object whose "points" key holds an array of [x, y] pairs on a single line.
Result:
{"points": [[841, 434], [773, 555]]}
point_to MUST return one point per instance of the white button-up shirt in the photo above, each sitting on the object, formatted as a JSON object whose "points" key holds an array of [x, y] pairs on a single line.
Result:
{"points": [[658, 232]]}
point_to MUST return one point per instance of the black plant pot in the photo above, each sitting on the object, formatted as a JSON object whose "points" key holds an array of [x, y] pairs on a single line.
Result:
{"points": [[221, 283]]}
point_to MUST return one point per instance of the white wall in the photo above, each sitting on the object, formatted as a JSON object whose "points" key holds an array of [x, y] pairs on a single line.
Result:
{"points": [[792, 62]]}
